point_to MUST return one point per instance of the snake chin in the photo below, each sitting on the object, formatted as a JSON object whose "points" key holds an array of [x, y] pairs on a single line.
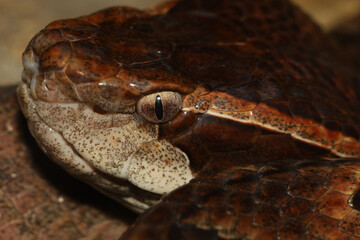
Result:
{"points": [[118, 154]]}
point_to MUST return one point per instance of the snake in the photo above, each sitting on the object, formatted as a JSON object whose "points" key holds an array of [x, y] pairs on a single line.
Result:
{"points": [[213, 119]]}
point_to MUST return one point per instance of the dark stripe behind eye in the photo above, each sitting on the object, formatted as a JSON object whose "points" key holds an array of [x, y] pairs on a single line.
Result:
{"points": [[158, 108]]}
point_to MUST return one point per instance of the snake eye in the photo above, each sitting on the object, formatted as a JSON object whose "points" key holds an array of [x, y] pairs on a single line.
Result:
{"points": [[159, 107]]}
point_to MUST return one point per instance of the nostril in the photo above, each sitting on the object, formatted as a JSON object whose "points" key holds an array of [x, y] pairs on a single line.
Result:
{"points": [[50, 85], [47, 88]]}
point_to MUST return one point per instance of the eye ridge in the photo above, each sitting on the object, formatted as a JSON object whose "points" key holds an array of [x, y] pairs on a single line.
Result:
{"points": [[159, 108]]}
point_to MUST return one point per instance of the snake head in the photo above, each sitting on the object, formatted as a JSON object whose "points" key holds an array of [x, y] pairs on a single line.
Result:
{"points": [[88, 101]]}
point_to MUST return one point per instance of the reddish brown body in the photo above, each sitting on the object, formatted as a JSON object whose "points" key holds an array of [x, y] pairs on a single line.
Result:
{"points": [[265, 113]]}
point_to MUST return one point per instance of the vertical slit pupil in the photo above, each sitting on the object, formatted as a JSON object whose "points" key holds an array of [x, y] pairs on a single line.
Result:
{"points": [[158, 108]]}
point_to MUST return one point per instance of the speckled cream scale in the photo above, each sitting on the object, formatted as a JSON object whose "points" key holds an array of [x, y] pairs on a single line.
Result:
{"points": [[216, 104]]}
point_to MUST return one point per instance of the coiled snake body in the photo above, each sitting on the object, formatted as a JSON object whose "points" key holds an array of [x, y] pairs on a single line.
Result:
{"points": [[231, 110]]}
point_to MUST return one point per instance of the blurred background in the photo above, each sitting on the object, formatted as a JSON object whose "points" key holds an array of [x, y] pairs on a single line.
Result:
{"points": [[22, 19]]}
